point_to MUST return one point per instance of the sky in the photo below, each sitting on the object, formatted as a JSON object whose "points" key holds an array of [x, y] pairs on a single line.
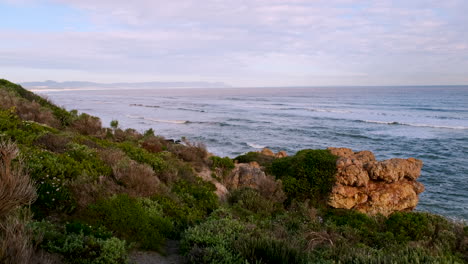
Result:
{"points": [[241, 43]]}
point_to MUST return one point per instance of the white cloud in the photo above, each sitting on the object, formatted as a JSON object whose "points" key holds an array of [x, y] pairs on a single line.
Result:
{"points": [[253, 40]]}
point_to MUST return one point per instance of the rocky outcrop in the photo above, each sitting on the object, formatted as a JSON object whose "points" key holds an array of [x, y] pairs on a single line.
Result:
{"points": [[245, 175], [221, 190], [270, 153], [252, 176], [375, 187]]}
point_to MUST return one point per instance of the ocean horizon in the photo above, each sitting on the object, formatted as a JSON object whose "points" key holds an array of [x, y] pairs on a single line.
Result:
{"points": [[425, 122]]}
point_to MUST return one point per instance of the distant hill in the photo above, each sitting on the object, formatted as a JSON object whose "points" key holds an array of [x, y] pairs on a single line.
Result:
{"points": [[49, 84]]}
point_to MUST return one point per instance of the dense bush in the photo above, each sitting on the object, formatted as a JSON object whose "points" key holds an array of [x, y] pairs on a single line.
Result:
{"points": [[269, 250], [87, 125], [307, 175], [142, 156], [212, 241], [198, 195], [80, 244], [195, 153], [258, 157], [53, 142], [222, 163], [137, 220], [222, 166], [154, 144], [250, 200], [187, 203]]}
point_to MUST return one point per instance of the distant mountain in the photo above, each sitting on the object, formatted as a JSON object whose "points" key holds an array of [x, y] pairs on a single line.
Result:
{"points": [[77, 84]]}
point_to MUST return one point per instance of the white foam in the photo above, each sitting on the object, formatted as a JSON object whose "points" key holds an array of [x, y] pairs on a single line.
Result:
{"points": [[159, 120], [413, 124], [253, 145]]}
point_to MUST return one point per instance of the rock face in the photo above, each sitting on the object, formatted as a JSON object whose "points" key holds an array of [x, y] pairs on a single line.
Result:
{"points": [[246, 175], [251, 175], [269, 152], [375, 187]]}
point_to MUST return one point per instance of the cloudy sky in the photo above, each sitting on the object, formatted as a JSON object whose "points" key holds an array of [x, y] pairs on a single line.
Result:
{"points": [[242, 43]]}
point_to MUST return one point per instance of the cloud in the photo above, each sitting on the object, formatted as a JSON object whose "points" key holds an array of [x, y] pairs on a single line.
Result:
{"points": [[254, 40]]}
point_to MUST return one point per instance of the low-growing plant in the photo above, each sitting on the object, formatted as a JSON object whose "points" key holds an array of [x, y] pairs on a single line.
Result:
{"points": [[88, 159], [409, 226], [269, 250], [198, 195], [53, 142], [194, 153], [137, 220], [80, 244], [154, 144], [250, 200], [212, 241], [142, 156]]}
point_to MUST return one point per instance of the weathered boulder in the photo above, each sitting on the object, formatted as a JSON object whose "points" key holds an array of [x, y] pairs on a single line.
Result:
{"points": [[270, 153], [245, 175], [281, 154], [251, 175], [267, 152], [375, 187]]}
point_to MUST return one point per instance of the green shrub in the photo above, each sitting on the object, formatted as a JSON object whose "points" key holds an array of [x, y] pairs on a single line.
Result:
{"points": [[223, 166], [53, 142], [198, 195], [350, 218], [410, 226], [212, 240], [53, 171], [307, 175], [88, 159], [76, 246], [22, 132], [78, 227], [143, 156], [269, 250], [134, 219], [247, 199], [258, 157], [222, 163]]}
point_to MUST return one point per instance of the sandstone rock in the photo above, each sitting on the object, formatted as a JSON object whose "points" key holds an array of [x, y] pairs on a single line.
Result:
{"points": [[245, 175], [375, 187], [221, 190], [341, 152], [281, 154], [267, 152], [254, 164], [395, 169], [251, 175]]}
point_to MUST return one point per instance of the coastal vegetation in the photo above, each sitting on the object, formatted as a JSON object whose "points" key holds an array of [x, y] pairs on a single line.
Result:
{"points": [[73, 191]]}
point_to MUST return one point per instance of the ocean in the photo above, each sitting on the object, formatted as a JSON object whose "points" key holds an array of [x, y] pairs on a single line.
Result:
{"points": [[428, 123]]}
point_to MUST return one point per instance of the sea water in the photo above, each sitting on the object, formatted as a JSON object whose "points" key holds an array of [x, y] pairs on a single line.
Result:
{"points": [[428, 123]]}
